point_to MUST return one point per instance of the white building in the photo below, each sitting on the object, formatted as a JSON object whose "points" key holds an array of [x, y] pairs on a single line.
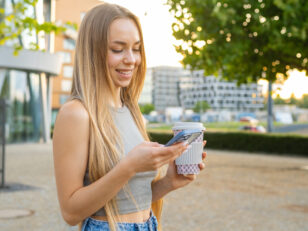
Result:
{"points": [[220, 94], [146, 96], [166, 86], [175, 86]]}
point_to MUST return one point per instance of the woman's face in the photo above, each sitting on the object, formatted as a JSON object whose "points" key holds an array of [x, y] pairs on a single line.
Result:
{"points": [[123, 51]]}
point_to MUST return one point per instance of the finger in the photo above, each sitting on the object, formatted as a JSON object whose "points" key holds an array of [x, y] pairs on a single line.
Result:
{"points": [[153, 144], [204, 143], [167, 154], [201, 166], [172, 153], [190, 177], [204, 155], [178, 148]]}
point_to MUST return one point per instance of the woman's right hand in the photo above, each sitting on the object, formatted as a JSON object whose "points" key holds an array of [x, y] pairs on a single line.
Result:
{"points": [[149, 156]]}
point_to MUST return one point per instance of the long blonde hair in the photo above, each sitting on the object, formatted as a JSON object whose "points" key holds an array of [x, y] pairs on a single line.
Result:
{"points": [[93, 85]]}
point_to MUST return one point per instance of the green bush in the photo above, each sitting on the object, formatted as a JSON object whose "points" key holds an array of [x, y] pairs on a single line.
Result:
{"points": [[252, 142]]}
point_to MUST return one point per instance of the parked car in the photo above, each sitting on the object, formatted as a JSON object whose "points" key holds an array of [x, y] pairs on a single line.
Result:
{"points": [[258, 128]]}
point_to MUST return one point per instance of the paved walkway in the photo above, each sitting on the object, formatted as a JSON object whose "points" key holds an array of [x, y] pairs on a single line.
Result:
{"points": [[236, 191]]}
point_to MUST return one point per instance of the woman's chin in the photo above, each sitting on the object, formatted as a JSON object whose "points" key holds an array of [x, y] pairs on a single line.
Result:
{"points": [[122, 84]]}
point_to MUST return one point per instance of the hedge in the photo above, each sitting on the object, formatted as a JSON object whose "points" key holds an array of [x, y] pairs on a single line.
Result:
{"points": [[252, 142]]}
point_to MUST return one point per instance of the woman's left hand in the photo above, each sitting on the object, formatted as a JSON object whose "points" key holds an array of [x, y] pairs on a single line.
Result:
{"points": [[177, 181]]}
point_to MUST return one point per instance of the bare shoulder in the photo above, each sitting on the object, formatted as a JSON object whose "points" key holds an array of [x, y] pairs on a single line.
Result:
{"points": [[72, 121], [73, 109]]}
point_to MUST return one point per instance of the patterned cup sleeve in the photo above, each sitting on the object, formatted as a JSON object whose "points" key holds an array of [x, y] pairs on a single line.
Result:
{"points": [[189, 168]]}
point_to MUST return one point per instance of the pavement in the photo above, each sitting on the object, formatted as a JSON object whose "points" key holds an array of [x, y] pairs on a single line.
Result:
{"points": [[292, 128], [236, 191]]}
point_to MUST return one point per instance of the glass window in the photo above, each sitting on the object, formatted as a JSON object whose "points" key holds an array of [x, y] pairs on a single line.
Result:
{"points": [[66, 56], [24, 111], [68, 71], [69, 44], [63, 98], [66, 85], [54, 114]]}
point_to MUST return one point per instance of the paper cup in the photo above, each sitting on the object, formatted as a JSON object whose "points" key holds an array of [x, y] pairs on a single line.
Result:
{"points": [[188, 162]]}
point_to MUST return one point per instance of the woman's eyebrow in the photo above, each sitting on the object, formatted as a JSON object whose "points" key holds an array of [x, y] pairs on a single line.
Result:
{"points": [[124, 43]]}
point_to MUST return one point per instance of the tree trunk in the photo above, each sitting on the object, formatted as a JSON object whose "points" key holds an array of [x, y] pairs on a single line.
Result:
{"points": [[270, 126]]}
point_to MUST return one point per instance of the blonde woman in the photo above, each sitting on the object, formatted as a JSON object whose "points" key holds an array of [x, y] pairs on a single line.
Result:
{"points": [[105, 165]]}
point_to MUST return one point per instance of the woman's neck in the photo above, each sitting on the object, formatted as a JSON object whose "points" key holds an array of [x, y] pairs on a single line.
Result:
{"points": [[118, 102]]}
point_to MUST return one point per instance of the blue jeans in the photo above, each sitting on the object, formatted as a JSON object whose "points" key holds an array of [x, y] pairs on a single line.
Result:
{"points": [[91, 224]]}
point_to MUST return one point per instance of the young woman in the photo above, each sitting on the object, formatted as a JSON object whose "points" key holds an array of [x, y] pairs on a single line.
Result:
{"points": [[105, 165]]}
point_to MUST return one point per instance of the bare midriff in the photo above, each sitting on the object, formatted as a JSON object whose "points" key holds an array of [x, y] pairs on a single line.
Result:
{"points": [[137, 217]]}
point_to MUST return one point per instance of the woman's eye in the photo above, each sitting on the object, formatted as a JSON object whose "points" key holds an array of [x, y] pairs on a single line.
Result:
{"points": [[116, 51], [136, 49]]}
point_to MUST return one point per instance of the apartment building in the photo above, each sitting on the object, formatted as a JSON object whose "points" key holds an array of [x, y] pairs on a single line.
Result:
{"points": [[146, 96], [67, 11], [166, 86], [219, 93], [175, 86]]}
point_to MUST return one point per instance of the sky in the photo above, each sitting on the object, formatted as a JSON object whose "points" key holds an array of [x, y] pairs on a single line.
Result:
{"points": [[156, 24]]}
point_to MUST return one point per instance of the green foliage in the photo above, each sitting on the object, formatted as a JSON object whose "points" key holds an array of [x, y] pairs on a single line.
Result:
{"points": [[242, 40], [292, 99], [201, 106], [146, 108], [252, 142], [303, 102], [279, 100], [13, 24]]}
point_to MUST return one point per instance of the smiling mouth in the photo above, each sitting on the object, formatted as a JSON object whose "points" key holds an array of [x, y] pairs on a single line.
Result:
{"points": [[125, 72]]}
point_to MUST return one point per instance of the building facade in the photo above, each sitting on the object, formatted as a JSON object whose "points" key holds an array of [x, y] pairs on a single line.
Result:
{"points": [[26, 79], [220, 94], [177, 87], [147, 91], [166, 86], [65, 47]]}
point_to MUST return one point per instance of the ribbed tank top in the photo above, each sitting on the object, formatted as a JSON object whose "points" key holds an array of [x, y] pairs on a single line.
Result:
{"points": [[140, 184]]}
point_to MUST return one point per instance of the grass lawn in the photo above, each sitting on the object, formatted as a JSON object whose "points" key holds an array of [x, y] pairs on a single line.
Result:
{"points": [[215, 126]]}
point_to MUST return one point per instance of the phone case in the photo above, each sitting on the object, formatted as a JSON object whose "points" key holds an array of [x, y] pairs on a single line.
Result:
{"points": [[185, 135]]}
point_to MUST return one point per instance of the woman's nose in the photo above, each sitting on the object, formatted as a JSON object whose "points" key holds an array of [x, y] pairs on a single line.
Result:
{"points": [[129, 57]]}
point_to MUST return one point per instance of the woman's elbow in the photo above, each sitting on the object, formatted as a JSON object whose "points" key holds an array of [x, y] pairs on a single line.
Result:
{"points": [[71, 219]]}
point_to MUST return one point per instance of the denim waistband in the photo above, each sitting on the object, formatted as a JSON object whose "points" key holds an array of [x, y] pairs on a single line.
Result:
{"points": [[91, 224]]}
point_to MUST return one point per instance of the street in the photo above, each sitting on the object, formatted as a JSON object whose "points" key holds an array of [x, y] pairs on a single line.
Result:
{"points": [[236, 191]]}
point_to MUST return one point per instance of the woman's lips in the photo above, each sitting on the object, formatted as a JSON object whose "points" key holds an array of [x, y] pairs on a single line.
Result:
{"points": [[125, 73]]}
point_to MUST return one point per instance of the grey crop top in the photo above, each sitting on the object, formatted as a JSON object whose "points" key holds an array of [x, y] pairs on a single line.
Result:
{"points": [[140, 184]]}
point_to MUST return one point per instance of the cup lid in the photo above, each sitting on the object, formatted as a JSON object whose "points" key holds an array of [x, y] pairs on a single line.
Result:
{"points": [[188, 125]]}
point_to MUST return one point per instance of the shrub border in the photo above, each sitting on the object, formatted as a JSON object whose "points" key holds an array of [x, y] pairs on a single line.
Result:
{"points": [[281, 144]]}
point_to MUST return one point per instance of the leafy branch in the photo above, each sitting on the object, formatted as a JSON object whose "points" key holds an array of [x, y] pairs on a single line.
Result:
{"points": [[14, 24]]}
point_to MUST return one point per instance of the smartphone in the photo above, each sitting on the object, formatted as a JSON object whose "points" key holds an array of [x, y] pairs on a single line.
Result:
{"points": [[186, 135]]}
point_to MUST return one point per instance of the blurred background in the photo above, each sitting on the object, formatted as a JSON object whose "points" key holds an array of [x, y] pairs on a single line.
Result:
{"points": [[239, 67]]}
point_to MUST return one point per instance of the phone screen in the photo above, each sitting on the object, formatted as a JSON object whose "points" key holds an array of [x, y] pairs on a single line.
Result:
{"points": [[192, 137], [188, 137]]}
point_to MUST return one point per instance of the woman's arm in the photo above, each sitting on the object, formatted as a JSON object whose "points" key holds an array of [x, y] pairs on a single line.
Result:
{"points": [[160, 188], [172, 181], [70, 148]]}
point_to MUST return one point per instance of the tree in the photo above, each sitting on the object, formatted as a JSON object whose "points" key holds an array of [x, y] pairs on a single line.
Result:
{"points": [[14, 24], [242, 40], [279, 100], [303, 102], [292, 100], [146, 108], [201, 106]]}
